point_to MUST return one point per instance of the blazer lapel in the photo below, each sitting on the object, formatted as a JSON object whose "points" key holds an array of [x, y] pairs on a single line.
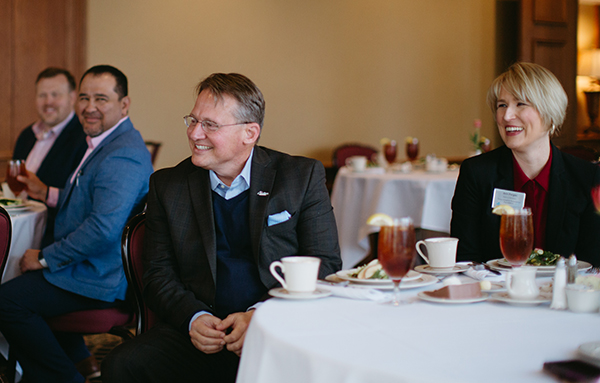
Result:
{"points": [[557, 198], [261, 186], [201, 197], [505, 178]]}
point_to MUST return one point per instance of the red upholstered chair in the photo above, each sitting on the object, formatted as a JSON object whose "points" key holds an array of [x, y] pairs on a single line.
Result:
{"points": [[348, 150], [583, 152], [5, 237], [132, 249], [153, 148]]}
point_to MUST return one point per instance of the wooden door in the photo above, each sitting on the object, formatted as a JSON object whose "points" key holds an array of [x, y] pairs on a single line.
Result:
{"points": [[548, 36], [34, 34]]}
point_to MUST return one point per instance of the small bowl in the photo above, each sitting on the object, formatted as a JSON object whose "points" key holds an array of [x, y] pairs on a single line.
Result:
{"points": [[582, 298]]}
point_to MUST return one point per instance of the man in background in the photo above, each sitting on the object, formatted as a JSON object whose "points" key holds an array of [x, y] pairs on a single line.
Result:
{"points": [[54, 145], [82, 268], [214, 224]]}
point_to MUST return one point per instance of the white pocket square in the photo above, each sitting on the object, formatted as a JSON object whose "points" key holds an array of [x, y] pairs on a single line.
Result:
{"points": [[274, 219]]}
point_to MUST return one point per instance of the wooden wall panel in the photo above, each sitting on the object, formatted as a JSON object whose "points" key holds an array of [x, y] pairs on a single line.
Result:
{"points": [[34, 35], [550, 11], [549, 38]]}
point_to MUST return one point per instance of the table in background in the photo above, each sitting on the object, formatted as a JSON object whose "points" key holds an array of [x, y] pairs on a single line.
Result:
{"points": [[336, 340], [425, 197]]}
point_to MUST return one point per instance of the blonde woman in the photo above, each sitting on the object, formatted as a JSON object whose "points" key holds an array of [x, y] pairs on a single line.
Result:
{"points": [[529, 106]]}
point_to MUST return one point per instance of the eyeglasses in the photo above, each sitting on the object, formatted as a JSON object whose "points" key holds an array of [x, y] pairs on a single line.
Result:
{"points": [[207, 126]]}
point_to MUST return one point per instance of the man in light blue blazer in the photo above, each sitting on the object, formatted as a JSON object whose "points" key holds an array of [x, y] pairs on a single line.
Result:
{"points": [[82, 269]]}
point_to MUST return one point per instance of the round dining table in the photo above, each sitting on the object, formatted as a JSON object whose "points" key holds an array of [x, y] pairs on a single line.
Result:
{"points": [[424, 196], [339, 340], [28, 225]]}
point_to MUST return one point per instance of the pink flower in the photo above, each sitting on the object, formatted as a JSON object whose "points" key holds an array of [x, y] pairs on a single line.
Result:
{"points": [[596, 197], [477, 123]]}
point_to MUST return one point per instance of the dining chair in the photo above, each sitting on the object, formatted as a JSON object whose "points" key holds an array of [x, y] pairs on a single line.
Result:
{"points": [[5, 237], [581, 151], [132, 247], [153, 148], [348, 150]]}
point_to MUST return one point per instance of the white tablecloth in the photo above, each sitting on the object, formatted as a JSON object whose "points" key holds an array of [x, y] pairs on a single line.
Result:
{"points": [[335, 340], [27, 231], [425, 197]]}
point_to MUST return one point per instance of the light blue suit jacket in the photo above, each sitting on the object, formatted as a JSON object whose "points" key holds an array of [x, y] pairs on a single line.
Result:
{"points": [[111, 186]]}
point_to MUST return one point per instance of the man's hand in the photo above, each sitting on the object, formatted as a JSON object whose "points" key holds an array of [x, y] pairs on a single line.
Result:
{"points": [[30, 262], [239, 323], [35, 188], [205, 335]]}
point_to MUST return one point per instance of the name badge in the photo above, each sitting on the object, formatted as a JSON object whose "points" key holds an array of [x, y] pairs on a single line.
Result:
{"points": [[514, 199]]}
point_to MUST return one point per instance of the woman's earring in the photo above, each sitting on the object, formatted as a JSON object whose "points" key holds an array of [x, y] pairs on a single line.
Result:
{"points": [[552, 129]]}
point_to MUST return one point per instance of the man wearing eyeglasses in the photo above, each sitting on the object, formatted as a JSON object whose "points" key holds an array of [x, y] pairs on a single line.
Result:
{"points": [[214, 224]]}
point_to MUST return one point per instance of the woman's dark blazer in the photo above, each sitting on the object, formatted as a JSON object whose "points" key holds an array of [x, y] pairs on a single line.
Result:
{"points": [[572, 226]]}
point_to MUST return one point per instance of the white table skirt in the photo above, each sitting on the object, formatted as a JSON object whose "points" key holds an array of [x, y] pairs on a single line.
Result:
{"points": [[335, 340], [425, 197]]}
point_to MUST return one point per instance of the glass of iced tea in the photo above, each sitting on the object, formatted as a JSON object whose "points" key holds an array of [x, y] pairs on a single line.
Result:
{"points": [[412, 148], [390, 151], [15, 168], [396, 251], [516, 236]]}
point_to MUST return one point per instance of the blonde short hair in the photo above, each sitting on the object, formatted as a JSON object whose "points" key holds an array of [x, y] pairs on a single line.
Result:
{"points": [[536, 85]]}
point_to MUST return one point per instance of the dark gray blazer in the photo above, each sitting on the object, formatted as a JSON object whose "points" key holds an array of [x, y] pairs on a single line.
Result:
{"points": [[180, 243], [572, 224]]}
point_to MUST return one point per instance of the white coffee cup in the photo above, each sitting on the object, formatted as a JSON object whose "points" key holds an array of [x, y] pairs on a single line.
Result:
{"points": [[357, 163], [441, 252], [300, 273]]}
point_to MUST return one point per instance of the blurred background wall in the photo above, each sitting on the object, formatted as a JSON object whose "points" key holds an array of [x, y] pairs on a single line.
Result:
{"points": [[332, 71]]}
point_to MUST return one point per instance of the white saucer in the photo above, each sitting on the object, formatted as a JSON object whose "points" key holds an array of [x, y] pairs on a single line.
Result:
{"points": [[429, 298], [458, 268], [504, 297], [280, 292], [591, 350]]}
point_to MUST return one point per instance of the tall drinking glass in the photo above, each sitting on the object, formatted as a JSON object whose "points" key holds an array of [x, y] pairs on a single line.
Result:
{"points": [[412, 148], [390, 150], [396, 251], [15, 168], [516, 236]]}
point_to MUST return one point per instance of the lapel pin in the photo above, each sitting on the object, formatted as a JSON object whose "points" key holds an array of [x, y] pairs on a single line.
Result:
{"points": [[262, 193]]}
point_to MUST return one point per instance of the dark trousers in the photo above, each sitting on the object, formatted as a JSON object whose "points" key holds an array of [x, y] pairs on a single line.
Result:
{"points": [[45, 356], [165, 354]]}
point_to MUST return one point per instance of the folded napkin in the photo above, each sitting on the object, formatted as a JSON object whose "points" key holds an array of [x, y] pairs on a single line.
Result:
{"points": [[346, 291], [477, 274]]}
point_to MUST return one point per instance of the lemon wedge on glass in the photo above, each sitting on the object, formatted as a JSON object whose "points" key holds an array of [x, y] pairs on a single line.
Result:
{"points": [[384, 141], [380, 219], [503, 209]]}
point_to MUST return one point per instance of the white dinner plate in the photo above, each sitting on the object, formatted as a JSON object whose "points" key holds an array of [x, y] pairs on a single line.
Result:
{"points": [[591, 350], [496, 287], [20, 204], [504, 297], [422, 280], [429, 298], [499, 265], [458, 268], [280, 292], [345, 275]]}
